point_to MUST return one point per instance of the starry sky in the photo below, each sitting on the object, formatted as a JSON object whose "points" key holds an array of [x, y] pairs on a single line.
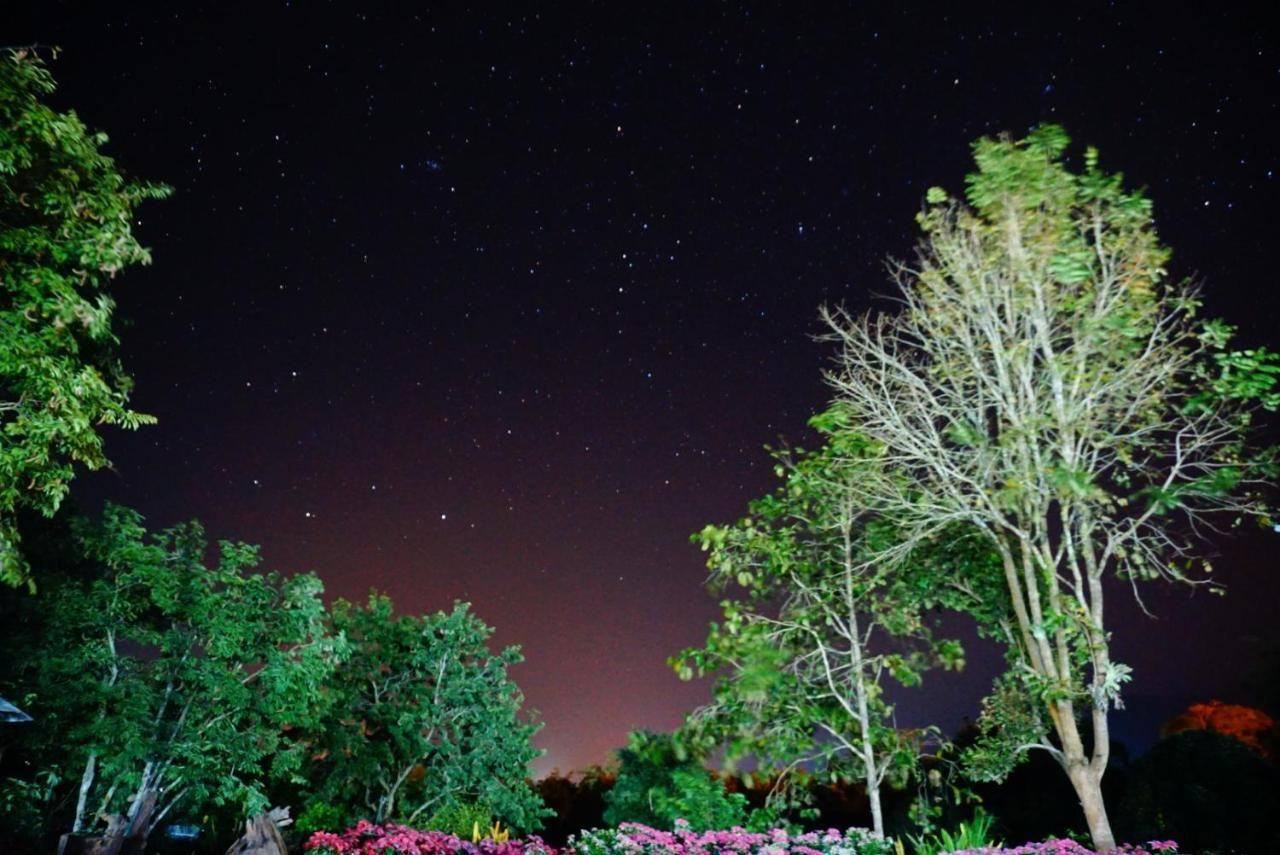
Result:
{"points": [[471, 303]]}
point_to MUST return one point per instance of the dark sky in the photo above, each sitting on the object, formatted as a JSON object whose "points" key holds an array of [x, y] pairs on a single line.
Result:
{"points": [[462, 303]]}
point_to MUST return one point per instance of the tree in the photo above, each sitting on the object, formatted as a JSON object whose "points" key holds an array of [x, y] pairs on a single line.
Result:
{"points": [[1045, 385], [66, 218], [423, 717], [801, 655], [163, 683]]}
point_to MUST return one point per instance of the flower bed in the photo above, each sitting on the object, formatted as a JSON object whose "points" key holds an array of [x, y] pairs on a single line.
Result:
{"points": [[1070, 847], [369, 839], [633, 839]]}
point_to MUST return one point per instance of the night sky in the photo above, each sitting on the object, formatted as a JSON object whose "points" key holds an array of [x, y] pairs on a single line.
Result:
{"points": [[502, 306]]}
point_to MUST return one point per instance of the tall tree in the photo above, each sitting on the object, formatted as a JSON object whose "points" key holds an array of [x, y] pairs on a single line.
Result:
{"points": [[1046, 385], [66, 230], [165, 683], [423, 716], [802, 653]]}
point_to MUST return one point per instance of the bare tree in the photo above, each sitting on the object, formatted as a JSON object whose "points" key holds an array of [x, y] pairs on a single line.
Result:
{"points": [[1044, 384]]}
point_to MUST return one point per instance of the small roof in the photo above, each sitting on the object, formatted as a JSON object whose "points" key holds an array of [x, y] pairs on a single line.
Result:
{"points": [[10, 713]]}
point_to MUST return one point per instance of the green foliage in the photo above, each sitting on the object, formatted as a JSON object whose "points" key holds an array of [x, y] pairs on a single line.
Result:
{"points": [[25, 804], [1012, 718], [320, 816], [942, 792], [461, 818], [158, 674], [800, 653], [659, 782], [423, 717], [975, 834], [701, 800], [67, 216]]}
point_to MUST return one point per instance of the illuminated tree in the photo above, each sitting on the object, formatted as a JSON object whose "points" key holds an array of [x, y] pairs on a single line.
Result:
{"points": [[803, 650], [423, 717], [1045, 385], [66, 219], [164, 682]]}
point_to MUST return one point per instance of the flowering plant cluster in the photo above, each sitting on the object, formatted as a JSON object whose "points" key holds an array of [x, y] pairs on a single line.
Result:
{"points": [[635, 839], [365, 838], [1070, 847]]}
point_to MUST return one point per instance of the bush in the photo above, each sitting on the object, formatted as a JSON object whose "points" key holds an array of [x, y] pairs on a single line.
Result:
{"points": [[974, 835], [635, 839], [365, 838], [461, 819], [658, 783], [319, 816]]}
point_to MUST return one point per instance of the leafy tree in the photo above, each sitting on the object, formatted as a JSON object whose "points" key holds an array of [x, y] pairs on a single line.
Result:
{"points": [[659, 781], [802, 653], [66, 217], [423, 718], [162, 682], [1046, 386]]}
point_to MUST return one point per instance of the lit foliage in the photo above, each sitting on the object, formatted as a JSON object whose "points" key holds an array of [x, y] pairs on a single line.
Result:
{"points": [[423, 716], [1046, 386], [66, 217], [164, 677], [802, 651], [1251, 726]]}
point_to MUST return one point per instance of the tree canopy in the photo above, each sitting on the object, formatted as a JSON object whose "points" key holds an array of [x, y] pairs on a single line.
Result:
{"points": [[67, 215], [160, 681], [423, 716]]}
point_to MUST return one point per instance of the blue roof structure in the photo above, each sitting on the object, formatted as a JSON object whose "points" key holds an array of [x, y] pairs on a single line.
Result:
{"points": [[10, 713]]}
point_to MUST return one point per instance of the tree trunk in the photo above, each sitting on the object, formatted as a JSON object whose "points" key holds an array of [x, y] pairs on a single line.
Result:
{"points": [[86, 784], [262, 835], [869, 760], [873, 795], [1088, 787]]}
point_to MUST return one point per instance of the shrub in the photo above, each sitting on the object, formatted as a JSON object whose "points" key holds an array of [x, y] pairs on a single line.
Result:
{"points": [[460, 818], [974, 835], [634, 839], [319, 816], [659, 782]]}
